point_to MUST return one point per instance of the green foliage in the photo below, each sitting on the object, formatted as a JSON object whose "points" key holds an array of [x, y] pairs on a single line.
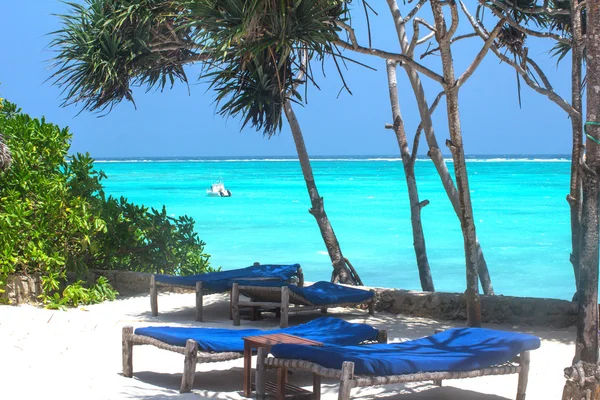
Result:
{"points": [[55, 218], [105, 46], [252, 49], [78, 293]]}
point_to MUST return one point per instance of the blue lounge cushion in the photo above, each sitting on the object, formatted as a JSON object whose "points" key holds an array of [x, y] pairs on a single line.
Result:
{"points": [[460, 349], [221, 281], [327, 330], [324, 293]]}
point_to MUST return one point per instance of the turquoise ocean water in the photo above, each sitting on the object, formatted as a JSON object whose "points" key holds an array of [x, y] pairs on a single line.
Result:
{"points": [[521, 215]]}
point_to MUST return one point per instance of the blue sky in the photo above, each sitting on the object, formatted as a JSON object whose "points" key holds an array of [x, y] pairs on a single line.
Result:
{"points": [[182, 122]]}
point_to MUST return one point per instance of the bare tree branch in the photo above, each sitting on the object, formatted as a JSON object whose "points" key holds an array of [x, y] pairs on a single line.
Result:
{"points": [[506, 14], [415, 39], [545, 9], [480, 56], [392, 56], [455, 20], [454, 39], [420, 127], [414, 11], [546, 91]]}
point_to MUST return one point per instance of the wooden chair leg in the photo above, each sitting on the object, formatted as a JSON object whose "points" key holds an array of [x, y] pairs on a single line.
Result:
{"points": [[281, 380], [261, 370], [382, 336], [235, 305], [372, 307], [199, 303], [127, 344], [285, 306], [189, 366], [316, 387], [523, 375], [153, 296], [346, 380]]}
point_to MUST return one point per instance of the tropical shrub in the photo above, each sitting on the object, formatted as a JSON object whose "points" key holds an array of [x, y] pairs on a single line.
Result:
{"points": [[55, 218]]}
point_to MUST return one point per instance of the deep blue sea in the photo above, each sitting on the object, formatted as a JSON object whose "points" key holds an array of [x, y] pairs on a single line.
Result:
{"points": [[521, 215]]}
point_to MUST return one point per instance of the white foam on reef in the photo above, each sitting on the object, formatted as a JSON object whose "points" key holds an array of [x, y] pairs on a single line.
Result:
{"points": [[424, 159]]}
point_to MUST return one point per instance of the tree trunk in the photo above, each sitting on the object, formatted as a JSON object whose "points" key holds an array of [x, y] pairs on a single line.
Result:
{"points": [[587, 386], [443, 37], [411, 183], [434, 151], [574, 197], [341, 272]]}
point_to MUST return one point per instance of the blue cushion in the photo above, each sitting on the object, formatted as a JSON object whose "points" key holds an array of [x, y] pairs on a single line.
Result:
{"points": [[461, 349], [324, 293], [326, 330], [221, 281]]}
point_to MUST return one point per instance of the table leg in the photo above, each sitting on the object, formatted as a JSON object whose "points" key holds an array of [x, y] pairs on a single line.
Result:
{"points": [[247, 370], [281, 380]]}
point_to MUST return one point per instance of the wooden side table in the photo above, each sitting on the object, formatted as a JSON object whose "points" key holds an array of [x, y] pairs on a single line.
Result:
{"points": [[267, 341]]}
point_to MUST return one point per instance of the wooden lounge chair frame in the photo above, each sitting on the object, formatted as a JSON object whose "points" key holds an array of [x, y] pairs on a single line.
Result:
{"points": [[200, 292], [191, 352], [282, 299], [519, 365]]}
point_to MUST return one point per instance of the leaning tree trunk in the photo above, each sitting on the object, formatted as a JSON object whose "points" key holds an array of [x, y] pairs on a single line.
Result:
{"points": [[586, 360], [443, 37], [434, 151], [574, 197], [411, 183], [341, 272], [5, 156]]}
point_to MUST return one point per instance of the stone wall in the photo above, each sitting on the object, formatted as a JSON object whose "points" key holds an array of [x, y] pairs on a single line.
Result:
{"points": [[129, 283], [21, 289], [438, 305], [495, 309]]}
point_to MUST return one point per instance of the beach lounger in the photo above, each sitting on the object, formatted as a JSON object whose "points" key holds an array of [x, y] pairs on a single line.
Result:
{"points": [[205, 345], [292, 298], [219, 282], [452, 354]]}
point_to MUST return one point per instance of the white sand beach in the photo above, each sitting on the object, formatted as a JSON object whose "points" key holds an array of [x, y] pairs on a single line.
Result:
{"points": [[76, 354]]}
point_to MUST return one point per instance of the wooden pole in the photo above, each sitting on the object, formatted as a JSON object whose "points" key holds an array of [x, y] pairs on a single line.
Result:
{"points": [[316, 386], [153, 296], [285, 305], [199, 300], [261, 370], [127, 345], [189, 366], [235, 301], [382, 336], [346, 380], [523, 375]]}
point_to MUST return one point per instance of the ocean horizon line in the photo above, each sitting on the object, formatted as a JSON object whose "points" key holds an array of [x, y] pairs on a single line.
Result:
{"points": [[356, 158]]}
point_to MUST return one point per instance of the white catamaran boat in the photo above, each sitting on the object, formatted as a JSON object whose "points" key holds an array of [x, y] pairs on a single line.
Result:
{"points": [[217, 189]]}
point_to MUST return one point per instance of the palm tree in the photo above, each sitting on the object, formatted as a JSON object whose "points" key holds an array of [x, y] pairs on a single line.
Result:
{"points": [[250, 50]]}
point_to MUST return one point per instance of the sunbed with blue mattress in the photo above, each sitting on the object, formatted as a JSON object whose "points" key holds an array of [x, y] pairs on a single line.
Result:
{"points": [[452, 354], [203, 345], [221, 281], [320, 295]]}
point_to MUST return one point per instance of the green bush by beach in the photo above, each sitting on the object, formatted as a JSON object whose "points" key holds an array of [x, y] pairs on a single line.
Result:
{"points": [[55, 219]]}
